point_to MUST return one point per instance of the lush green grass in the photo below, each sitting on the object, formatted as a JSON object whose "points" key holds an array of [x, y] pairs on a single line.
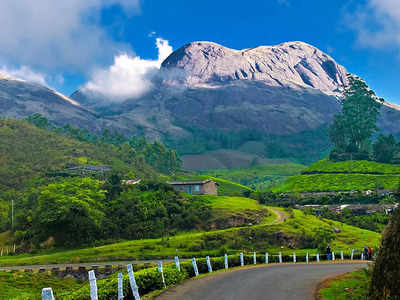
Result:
{"points": [[326, 175], [259, 177], [353, 166], [337, 182], [350, 286], [22, 286], [293, 233]]}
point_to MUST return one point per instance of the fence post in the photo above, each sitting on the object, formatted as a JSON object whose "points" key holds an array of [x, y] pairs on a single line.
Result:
{"points": [[317, 257], [255, 258], [352, 254], [294, 257], [196, 270], [93, 285], [160, 268], [132, 281], [120, 287], [280, 257], [266, 258], [47, 294], [226, 261], [1, 252], [341, 255], [333, 256], [209, 264], [307, 258], [177, 263], [241, 259], [362, 256]]}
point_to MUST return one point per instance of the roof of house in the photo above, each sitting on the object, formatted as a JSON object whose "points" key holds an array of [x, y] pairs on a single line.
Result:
{"points": [[190, 182]]}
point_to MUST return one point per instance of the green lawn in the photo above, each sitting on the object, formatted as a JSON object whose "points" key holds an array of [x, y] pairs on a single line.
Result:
{"points": [[262, 237], [23, 286], [351, 286], [259, 177], [325, 175], [355, 166]]}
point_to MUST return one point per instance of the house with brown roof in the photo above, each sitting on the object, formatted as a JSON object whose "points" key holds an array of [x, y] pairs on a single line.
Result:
{"points": [[203, 187]]}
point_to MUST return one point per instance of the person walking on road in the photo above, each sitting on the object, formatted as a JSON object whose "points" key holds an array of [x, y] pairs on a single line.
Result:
{"points": [[366, 253], [370, 253], [328, 253]]}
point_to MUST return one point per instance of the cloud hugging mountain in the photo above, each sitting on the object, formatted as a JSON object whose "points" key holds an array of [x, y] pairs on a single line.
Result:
{"points": [[222, 107]]}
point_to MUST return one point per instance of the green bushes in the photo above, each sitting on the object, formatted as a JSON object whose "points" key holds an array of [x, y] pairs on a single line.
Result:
{"points": [[149, 280]]}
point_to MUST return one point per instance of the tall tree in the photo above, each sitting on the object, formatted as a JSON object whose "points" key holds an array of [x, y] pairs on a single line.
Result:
{"points": [[351, 131]]}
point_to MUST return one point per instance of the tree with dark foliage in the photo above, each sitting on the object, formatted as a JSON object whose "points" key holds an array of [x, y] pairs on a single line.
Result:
{"points": [[385, 282]]}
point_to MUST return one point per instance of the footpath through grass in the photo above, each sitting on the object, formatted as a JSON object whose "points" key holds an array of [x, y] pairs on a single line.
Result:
{"points": [[351, 286]]}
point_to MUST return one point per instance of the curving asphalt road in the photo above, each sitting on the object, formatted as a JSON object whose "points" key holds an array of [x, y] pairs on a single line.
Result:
{"points": [[273, 282]]}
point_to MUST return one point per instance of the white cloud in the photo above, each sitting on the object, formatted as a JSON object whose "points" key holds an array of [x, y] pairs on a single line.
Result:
{"points": [[284, 2], [128, 77], [376, 23], [25, 73], [52, 35]]}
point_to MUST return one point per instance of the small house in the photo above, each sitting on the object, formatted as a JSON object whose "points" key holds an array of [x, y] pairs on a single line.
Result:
{"points": [[204, 187]]}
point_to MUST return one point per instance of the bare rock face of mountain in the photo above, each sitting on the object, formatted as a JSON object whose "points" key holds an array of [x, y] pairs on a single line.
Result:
{"points": [[291, 64], [20, 99]]}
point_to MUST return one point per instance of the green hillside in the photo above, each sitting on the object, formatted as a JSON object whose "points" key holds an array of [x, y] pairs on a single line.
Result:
{"points": [[326, 175], [28, 153], [259, 177], [291, 229]]}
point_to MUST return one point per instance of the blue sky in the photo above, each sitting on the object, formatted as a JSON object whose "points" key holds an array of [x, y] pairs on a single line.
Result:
{"points": [[66, 46]]}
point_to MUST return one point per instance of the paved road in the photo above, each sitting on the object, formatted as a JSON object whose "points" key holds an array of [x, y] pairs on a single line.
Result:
{"points": [[274, 282]]}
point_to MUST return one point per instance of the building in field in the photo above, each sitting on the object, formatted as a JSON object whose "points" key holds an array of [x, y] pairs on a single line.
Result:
{"points": [[204, 187]]}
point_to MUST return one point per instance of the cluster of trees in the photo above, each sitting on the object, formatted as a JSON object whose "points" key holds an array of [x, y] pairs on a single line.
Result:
{"points": [[374, 222], [80, 211], [352, 130], [154, 154], [291, 200]]}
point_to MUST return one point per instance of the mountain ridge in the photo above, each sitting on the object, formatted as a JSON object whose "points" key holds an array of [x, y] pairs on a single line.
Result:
{"points": [[266, 102]]}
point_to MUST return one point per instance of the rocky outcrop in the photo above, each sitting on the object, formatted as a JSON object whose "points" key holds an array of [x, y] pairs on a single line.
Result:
{"points": [[289, 64]]}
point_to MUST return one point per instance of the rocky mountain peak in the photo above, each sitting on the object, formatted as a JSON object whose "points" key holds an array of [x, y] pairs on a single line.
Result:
{"points": [[293, 64]]}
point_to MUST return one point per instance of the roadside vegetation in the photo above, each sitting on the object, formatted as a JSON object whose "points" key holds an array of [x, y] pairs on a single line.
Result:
{"points": [[21, 286], [351, 286]]}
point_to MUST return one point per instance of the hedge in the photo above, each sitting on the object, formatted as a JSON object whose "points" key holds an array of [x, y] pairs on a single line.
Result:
{"points": [[149, 280]]}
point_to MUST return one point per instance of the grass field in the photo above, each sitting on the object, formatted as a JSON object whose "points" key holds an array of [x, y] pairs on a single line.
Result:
{"points": [[269, 235], [337, 182], [351, 286], [353, 166], [23, 286], [326, 176], [259, 177]]}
